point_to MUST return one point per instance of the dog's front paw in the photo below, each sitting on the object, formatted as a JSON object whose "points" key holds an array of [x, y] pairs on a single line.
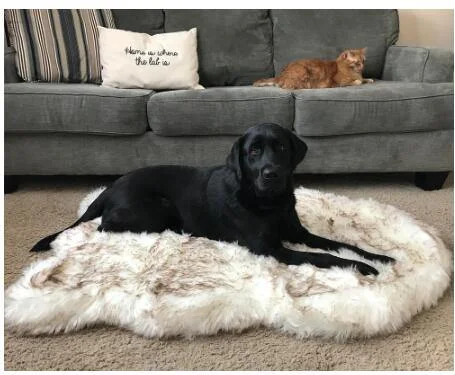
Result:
{"points": [[370, 256], [365, 269], [377, 257], [383, 258]]}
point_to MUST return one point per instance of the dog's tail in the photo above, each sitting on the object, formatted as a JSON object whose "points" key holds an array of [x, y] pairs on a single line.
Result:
{"points": [[93, 211], [265, 82]]}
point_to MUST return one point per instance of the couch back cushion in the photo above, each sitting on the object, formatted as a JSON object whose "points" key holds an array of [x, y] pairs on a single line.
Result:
{"points": [[234, 46], [149, 21], [323, 34]]}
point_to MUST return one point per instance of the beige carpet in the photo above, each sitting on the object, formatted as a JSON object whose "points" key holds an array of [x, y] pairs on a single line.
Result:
{"points": [[43, 206]]}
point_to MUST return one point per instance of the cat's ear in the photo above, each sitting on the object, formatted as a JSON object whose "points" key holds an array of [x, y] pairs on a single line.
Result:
{"points": [[344, 55], [363, 50]]}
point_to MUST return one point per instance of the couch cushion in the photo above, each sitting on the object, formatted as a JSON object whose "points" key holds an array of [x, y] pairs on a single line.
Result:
{"points": [[418, 64], [157, 62], [234, 46], [374, 108], [218, 111], [57, 45], [310, 33], [74, 108], [149, 21]]}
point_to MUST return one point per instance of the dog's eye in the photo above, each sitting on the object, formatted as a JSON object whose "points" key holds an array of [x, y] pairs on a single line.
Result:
{"points": [[255, 150], [279, 147]]}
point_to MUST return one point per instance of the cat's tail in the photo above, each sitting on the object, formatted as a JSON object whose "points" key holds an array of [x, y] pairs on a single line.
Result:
{"points": [[265, 82]]}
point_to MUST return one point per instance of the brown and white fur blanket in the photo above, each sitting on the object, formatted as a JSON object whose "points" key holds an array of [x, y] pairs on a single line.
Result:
{"points": [[173, 284]]}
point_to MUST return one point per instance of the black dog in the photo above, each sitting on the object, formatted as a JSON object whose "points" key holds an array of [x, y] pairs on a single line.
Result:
{"points": [[249, 200]]}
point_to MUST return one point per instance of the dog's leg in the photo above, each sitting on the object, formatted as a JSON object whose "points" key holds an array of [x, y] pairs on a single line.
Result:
{"points": [[296, 233], [317, 242], [271, 246], [321, 260]]}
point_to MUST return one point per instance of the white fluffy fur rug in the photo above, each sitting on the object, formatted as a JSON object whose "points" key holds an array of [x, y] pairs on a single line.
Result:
{"points": [[169, 284]]}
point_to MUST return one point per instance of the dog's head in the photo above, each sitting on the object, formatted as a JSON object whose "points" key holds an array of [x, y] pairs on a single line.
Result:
{"points": [[265, 158]]}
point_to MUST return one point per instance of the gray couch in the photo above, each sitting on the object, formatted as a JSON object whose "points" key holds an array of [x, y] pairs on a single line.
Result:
{"points": [[401, 123]]}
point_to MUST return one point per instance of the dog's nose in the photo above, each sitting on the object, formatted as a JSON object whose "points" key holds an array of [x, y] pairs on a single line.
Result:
{"points": [[269, 174]]}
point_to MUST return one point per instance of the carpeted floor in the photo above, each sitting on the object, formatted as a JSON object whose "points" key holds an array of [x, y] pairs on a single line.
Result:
{"points": [[44, 205]]}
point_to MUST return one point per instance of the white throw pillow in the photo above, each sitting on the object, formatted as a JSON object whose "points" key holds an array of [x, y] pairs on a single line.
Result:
{"points": [[137, 60]]}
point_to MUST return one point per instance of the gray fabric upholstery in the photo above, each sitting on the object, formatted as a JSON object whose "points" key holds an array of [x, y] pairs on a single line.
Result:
{"points": [[10, 66], [374, 108], [385, 152], [149, 21], [234, 46], [402, 124], [74, 108], [218, 111], [94, 154], [418, 64], [323, 34]]}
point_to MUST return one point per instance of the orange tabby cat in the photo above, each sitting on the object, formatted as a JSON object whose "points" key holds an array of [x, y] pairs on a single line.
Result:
{"points": [[346, 70]]}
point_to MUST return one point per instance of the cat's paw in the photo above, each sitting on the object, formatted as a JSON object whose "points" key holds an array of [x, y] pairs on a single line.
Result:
{"points": [[368, 80], [357, 82]]}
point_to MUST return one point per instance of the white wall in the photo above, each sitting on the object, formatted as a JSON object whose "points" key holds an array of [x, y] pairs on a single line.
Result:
{"points": [[426, 27]]}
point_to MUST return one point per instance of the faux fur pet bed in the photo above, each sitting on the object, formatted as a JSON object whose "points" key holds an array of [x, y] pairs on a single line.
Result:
{"points": [[170, 284]]}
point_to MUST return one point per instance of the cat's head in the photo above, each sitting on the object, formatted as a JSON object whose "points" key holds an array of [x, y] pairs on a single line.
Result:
{"points": [[354, 59]]}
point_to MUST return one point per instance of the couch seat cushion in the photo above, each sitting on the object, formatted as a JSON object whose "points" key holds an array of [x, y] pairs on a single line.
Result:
{"points": [[374, 108], [218, 110], [74, 108]]}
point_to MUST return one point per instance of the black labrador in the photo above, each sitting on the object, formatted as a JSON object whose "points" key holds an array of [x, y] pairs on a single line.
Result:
{"points": [[249, 200]]}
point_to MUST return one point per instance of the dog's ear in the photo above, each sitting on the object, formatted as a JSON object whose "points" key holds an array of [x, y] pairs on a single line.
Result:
{"points": [[233, 159], [299, 149]]}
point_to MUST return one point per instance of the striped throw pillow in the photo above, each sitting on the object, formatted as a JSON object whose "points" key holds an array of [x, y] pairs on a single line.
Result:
{"points": [[57, 45]]}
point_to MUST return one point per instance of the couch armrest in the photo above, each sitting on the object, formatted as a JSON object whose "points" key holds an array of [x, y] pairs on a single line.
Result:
{"points": [[418, 64], [10, 66]]}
